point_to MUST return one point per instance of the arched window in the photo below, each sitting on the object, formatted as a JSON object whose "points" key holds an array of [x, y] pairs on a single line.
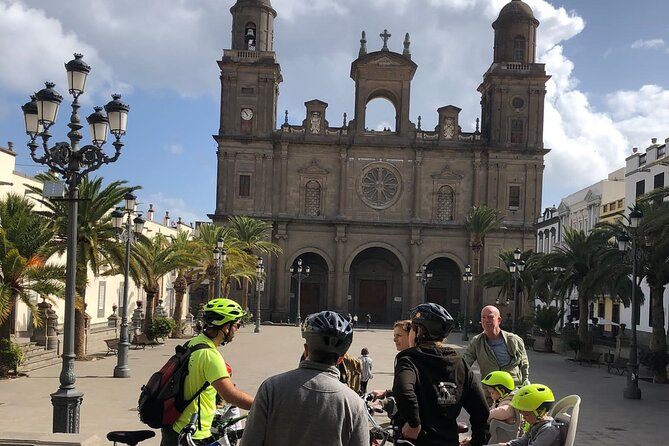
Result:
{"points": [[445, 203], [312, 198], [519, 49], [517, 132]]}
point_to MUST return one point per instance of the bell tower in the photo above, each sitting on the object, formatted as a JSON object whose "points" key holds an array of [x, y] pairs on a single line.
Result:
{"points": [[250, 75], [513, 88]]}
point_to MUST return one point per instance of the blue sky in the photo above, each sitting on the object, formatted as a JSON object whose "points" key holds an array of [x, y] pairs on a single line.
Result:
{"points": [[609, 92]]}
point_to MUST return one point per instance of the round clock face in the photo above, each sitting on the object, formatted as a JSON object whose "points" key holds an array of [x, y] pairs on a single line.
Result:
{"points": [[247, 114]]}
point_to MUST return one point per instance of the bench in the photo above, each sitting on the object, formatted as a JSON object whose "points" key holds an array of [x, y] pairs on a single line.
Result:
{"points": [[619, 366], [589, 358], [142, 340], [112, 346]]}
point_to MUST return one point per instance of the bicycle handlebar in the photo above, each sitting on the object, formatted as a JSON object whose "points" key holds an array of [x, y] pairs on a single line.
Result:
{"points": [[186, 434]]}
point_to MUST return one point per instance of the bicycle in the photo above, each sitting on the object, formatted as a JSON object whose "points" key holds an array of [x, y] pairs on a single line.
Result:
{"points": [[382, 433], [229, 435], [131, 438]]}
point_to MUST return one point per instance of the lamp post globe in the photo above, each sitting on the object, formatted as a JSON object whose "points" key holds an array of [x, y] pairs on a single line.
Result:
{"points": [[467, 277], [73, 162], [260, 271]]}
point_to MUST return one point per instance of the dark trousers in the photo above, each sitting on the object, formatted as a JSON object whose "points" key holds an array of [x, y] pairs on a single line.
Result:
{"points": [[171, 438]]}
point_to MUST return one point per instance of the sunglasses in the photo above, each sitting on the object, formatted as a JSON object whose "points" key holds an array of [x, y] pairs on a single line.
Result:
{"points": [[236, 325]]}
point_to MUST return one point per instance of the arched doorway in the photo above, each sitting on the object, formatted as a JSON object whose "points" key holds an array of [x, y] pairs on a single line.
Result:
{"points": [[375, 280], [314, 287], [444, 289]]}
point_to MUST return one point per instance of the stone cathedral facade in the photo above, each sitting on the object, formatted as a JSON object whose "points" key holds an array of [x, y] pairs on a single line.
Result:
{"points": [[366, 209]]}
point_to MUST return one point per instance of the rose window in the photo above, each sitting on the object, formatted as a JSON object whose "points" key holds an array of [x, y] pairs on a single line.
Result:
{"points": [[379, 187]]}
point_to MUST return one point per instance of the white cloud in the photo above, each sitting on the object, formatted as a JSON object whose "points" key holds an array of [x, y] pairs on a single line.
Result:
{"points": [[648, 44], [174, 148]]}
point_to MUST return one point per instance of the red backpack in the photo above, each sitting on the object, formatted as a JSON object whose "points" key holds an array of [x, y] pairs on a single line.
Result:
{"points": [[161, 401]]}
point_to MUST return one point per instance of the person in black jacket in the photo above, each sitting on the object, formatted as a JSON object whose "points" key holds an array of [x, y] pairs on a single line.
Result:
{"points": [[433, 383]]}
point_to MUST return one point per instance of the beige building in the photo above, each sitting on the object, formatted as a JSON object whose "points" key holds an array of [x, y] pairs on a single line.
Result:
{"points": [[102, 293], [365, 209]]}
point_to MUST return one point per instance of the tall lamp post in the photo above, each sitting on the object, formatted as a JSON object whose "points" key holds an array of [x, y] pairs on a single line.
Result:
{"points": [[260, 270], [298, 274], [127, 235], [73, 163], [467, 277], [632, 390], [424, 277], [515, 268], [219, 257]]}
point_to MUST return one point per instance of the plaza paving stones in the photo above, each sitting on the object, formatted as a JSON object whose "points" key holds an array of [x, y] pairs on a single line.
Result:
{"points": [[110, 403]]}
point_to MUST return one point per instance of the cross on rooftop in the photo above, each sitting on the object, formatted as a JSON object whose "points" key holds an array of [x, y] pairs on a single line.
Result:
{"points": [[385, 35]]}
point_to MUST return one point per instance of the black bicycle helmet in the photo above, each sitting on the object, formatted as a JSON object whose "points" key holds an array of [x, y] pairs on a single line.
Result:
{"points": [[327, 332], [434, 318]]}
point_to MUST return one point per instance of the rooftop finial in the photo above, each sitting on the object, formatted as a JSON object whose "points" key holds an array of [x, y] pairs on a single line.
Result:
{"points": [[419, 123], [407, 43], [285, 121], [385, 35], [344, 119], [363, 45], [477, 125]]}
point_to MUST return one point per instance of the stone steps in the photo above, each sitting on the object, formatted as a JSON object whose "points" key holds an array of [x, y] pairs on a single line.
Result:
{"points": [[36, 357]]}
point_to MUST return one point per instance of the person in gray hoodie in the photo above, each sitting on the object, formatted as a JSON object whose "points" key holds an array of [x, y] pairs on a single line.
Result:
{"points": [[309, 405]]}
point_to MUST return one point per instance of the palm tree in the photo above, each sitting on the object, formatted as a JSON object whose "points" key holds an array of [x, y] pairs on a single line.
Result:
{"points": [[23, 268], [546, 318], [654, 266], [251, 236], [155, 258], [479, 221], [183, 243], [590, 265], [97, 244]]}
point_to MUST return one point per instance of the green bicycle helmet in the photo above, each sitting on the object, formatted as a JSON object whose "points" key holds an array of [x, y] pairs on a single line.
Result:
{"points": [[218, 312], [535, 398], [500, 381]]}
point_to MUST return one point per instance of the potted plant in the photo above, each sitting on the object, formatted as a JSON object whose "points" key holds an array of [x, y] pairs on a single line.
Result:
{"points": [[546, 318]]}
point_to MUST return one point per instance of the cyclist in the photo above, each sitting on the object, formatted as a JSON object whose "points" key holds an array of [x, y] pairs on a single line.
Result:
{"points": [[221, 322], [432, 384], [309, 405], [534, 402]]}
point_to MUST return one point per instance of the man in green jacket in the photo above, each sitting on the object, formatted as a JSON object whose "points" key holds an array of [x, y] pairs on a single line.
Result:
{"points": [[495, 349]]}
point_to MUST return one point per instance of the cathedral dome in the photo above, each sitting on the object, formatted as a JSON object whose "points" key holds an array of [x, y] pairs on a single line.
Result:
{"points": [[515, 9]]}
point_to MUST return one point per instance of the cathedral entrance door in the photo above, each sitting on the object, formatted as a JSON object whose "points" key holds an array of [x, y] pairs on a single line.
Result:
{"points": [[372, 300], [310, 298]]}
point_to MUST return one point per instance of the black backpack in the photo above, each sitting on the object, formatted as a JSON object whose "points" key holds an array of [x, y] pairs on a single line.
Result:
{"points": [[161, 400]]}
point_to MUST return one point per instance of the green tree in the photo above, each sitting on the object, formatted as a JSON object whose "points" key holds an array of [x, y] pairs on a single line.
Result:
{"points": [[252, 236], [154, 259], [23, 267], [591, 266], [183, 243], [97, 245], [479, 221], [546, 318]]}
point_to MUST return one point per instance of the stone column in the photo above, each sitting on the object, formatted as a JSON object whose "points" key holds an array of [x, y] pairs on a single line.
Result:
{"points": [[341, 283], [415, 296], [343, 179], [417, 181], [282, 288], [283, 194]]}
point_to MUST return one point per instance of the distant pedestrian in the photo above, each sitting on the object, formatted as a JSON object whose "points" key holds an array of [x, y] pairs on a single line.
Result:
{"points": [[366, 370], [350, 319], [355, 320], [369, 320]]}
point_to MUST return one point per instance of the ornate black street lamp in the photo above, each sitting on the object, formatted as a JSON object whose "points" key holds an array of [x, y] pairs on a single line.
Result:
{"points": [[260, 270], [424, 277], [298, 274], [515, 268], [73, 163], [127, 235], [219, 257], [467, 277], [632, 390]]}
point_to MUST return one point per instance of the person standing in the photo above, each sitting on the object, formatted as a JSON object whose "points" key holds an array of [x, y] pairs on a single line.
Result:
{"points": [[365, 370], [309, 405], [433, 383], [496, 349], [369, 320], [206, 365], [355, 320]]}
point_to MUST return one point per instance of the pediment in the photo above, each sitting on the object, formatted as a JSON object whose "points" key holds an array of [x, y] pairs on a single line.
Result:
{"points": [[563, 208], [447, 174], [314, 168], [384, 60]]}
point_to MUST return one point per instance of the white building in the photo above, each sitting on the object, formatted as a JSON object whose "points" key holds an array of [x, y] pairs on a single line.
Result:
{"points": [[102, 292], [644, 173]]}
